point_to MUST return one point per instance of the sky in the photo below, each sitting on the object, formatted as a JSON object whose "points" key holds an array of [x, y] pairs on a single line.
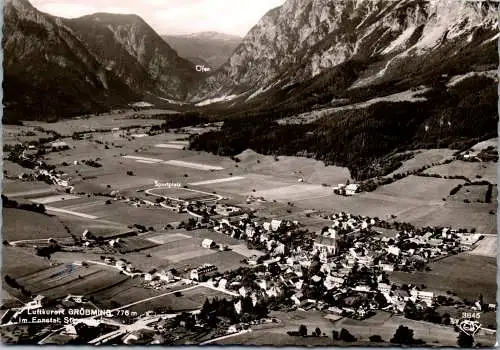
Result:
{"points": [[235, 17]]}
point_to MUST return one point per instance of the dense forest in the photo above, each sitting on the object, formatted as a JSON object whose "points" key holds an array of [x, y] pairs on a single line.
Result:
{"points": [[454, 117]]}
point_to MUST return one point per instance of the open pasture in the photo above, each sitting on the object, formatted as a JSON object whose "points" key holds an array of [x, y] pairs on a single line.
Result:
{"points": [[77, 202], [456, 215], [190, 300], [419, 188], [134, 244], [16, 189], [363, 204], [218, 238], [19, 262], [180, 250], [247, 185], [473, 193], [295, 192], [184, 194], [129, 215], [243, 250], [422, 158], [467, 275], [12, 168], [485, 144], [486, 247], [173, 162], [77, 225], [105, 121], [54, 198], [474, 171], [127, 292], [438, 335], [225, 261], [20, 224], [162, 238], [292, 168], [130, 291]]}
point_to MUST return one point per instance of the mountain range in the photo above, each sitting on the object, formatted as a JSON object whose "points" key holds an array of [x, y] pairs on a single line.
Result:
{"points": [[211, 49], [57, 67], [306, 52], [302, 39]]}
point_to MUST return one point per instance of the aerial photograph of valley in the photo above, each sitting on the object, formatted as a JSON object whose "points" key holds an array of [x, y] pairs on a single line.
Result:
{"points": [[262, 172]]}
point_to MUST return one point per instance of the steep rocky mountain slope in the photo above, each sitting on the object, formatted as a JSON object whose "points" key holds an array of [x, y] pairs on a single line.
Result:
{"points": [[388, 39], [48, 72], [128, 46], [211, 49]]}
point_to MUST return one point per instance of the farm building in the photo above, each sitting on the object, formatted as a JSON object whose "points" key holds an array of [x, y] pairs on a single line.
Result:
{"points": [[346, 190], [424, 296], [58, 146], [203, 272], [208, 244], [351, 189]]}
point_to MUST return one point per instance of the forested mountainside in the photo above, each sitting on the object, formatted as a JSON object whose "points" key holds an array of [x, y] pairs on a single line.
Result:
{"points": [[58, 67]]}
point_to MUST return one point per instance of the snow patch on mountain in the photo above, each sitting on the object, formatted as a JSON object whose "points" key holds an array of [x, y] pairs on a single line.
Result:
{"points": [[400, 40], [209, 101]]}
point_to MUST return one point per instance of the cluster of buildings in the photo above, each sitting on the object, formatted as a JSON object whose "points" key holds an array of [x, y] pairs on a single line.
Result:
{"points": [[343, 268]]}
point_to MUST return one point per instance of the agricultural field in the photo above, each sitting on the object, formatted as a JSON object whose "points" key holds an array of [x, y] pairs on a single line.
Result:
{"points": [[422, 158], [134, 244], [130, 215], [486, 247], [292, 168], [453, 214], [71, 279], [467, 275], [19, 262], [435, 335], [218, 238], [103, 121], [472, 193], [263, 185], [20, 224], [177, 252], [183, 194], [162, 238], [125, 293], [17, 189], [225, 261], [419, 188], [12, 169], [364, 204], [295, 192], [474, 171], [485, 144], [189, 300]]}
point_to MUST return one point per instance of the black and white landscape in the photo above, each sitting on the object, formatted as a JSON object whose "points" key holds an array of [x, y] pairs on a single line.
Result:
{"points": [[329, 179]]}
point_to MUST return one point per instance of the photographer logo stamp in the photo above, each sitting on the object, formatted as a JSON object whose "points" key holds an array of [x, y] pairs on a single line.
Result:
{"points": [[469, 327]]}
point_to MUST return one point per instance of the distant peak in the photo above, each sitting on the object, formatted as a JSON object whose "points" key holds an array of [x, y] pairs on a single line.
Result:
{"points": [[210, 35], [114, 17]]}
